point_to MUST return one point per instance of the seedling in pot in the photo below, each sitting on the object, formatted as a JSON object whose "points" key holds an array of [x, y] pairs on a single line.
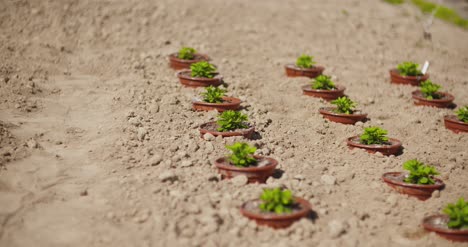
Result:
{"points": [[305, 61], [242, 161], [458, 123], [429, 95], [408, 73], [323, 87], [201, 74], [419, 173], [409, 69], [185, 57], [344, 112], [213, 94], [323, 82], [430, 90], [203, 69], [452, 224], [214, 99], [229, 123], [186, 53], [344, 105], [276, 208], [304, 66], [374, 139]]}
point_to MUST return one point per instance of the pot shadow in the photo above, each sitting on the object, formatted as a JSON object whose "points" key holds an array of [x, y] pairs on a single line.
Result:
{"points": [[226, 85], [312, 216], [256, 136], [452, 106], [278, 173]]}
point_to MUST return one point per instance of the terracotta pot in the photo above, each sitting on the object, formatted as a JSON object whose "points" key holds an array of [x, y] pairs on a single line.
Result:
{"points": [[438, 224], [393, 148], [454, 124], [445, 101], [178, 64], [254, 174], [187, 80], [421, 191], [396, 78], [294, 71], [327, 95], [328, 113], [229, 103], [250, 210], [211, 127]]}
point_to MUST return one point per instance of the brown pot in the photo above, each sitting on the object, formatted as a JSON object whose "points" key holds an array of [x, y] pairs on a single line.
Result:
{"points": [[211, 127], [229, 103], [294, 71], [254, 174], [396, 78], [421, 191], [327, 95], [393, 148], [454, 124], [250, 210], [328, 113], [445, 101], [187, 80], [178, 64], [438, 224]]}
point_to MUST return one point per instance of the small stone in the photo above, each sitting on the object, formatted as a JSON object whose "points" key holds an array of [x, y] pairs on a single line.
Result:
{"points": [[168, 176], [436, 194], [328, 179], [299, 177], [208, 137], [134, 121], [155, 160], [141, 133], [84, 192], [239, 180], [186, 163], [392, 200], [31, 143], [336, 228]]}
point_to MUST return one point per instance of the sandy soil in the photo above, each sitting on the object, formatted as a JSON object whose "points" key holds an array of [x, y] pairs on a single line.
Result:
{"points": [[100, 146]]}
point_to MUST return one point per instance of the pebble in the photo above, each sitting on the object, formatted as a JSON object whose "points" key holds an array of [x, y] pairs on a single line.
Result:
{"points": [[186, 163], [168, 176], [336, 228], [239, 180], [141, 133], [31, 143], [155, 160], [208, 137], [436, 194], [328, 179]]}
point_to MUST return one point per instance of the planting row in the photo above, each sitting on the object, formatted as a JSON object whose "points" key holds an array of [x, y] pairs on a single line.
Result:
{"points": [[278, 208]]}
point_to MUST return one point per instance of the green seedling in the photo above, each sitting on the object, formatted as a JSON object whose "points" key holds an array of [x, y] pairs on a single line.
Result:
{"points": [[409, 69], [458, 214], [231, 120], [203, 69], [323, 82], [395, 1], [242, 154], [419, 173], [305, 61], [374, 135], [187, 53], [213, 94], [430, 90], [276, 200], [462, 114], [344, 105]]}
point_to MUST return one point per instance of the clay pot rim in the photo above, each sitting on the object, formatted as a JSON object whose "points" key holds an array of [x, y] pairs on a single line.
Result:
{"points": [[219, 163], [306, 208], [438, 185], [295, 67], [173, 56], [428, 226], [233, 101], [395, 72], [448, 97], [183, 74], [454, 119], [338, 88], [327, 111], [202, 127], [394, 143]]}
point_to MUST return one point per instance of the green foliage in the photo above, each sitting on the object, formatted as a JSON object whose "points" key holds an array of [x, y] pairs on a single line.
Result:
{"points": [[462, 114], [419, 172], [458, 213], [374, 135], [305, 61], [242, 154], [442, 12], [395, 1], [231, 120], [323, 82], [203, 69], [430, 89], [213, 94], [276, 200], [409, 69], [344, 105], [187, 53]]}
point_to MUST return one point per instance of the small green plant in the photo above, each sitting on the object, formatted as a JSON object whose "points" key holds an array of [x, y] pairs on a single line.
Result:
{"points": [[187, 53], [458, 214], [409, 69], [429, 90], [419, 172], [203, 69], [344, 105], [323, 82], [395, 1], [462, 114], [213, 94], [305, 61], [276, 200], [374, 135], [242, 154], [231, 120]]}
